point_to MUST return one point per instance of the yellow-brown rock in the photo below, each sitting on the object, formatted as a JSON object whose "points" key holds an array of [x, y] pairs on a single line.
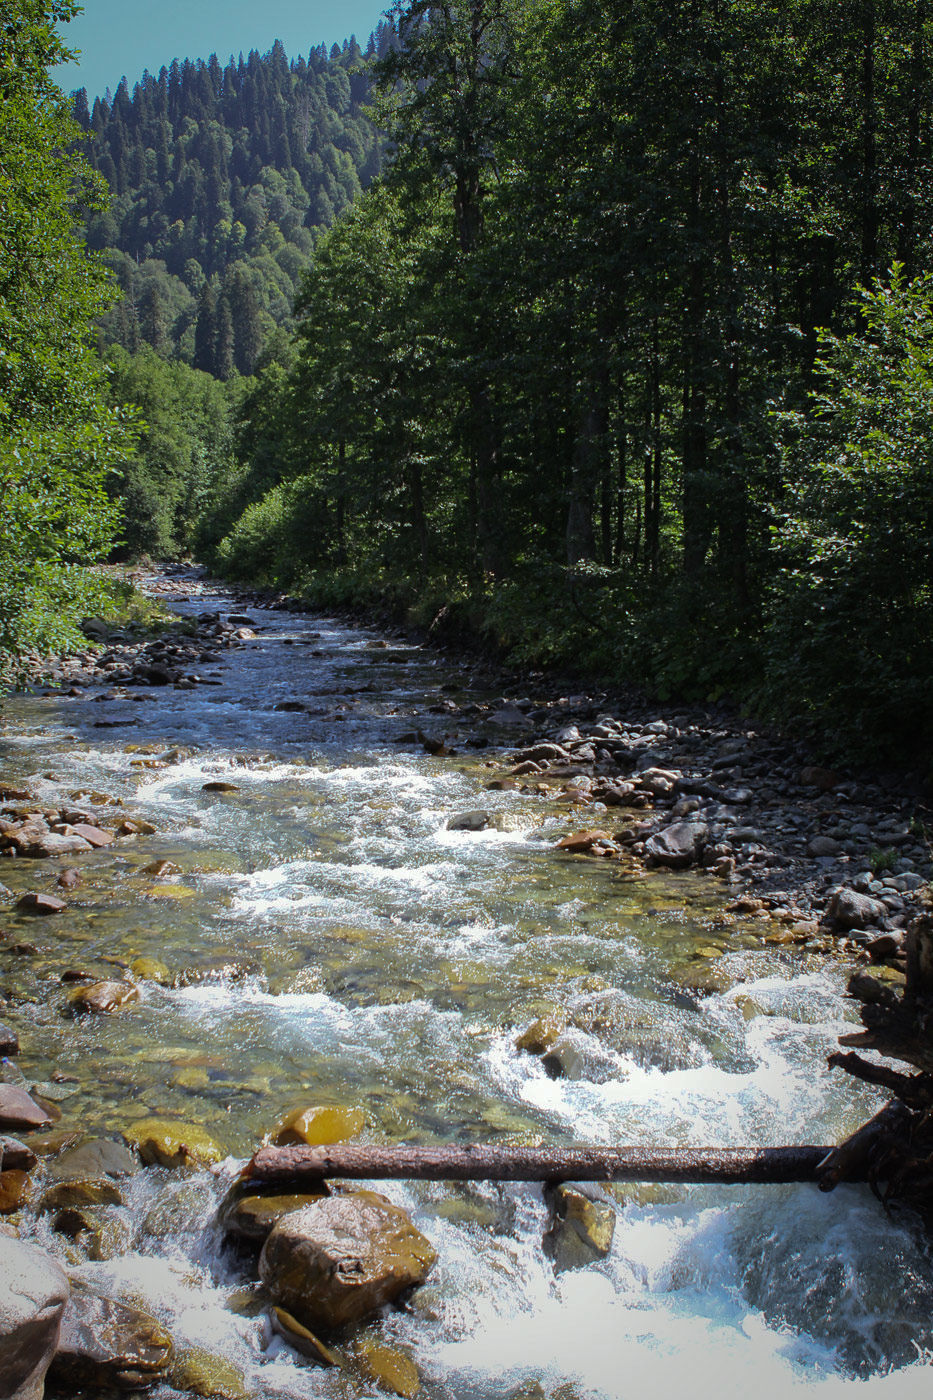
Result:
{"points": [[318, 1125], [14, 1185], [163, 1143], [103, 998], [89, 1191], [339, 1260], [253, 1217], [389, 1368], [201, 1373], [542, 1034]]}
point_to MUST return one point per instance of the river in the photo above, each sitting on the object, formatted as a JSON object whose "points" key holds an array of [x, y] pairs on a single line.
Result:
{"points": [[331, 941]]}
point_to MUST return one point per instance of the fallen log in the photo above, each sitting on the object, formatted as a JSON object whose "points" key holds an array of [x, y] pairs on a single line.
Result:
{"points": [[299, 1166]]}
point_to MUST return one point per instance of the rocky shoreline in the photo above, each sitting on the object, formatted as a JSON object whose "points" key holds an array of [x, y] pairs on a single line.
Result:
{"points": [[814, 857]]}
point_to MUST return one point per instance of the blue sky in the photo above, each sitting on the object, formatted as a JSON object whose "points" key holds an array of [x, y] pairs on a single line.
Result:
{"points": [[120, 37]]}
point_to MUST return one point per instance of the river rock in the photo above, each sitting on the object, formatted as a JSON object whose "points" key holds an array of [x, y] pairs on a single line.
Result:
{"points": [[823, 846], [582, 841], [104, 998], [97, 1157], [35, 903], [582, 1228], [202, 1373], [252, 1215], [338, 1261], [163, 1143], [847, 909], [677, 846], [33, 1294], [301, 1339], [15, 1155], [18, 1110], [89, 1191], [659, 781], [50, 844], [468, 821], [109, 1345], [9, 1041], [151, 970], [388, 1368], [14, 1188], [317, 1126], [542, 1034], [94, 835]]}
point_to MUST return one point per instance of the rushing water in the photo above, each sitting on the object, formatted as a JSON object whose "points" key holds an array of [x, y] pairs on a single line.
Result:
{"points": [[340, 945]]}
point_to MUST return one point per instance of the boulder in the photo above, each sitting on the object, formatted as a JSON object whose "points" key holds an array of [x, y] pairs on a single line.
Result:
{"points": [[33, 1294], [202, 1373], [252, 1216], [49, 844], [388, 1368], [542, 1034], [582, 841], [847, 909], [338, 1261], [108, 1345], [659, 781], [87, 1191], [582, 1228], [18, 1110], [35, 903], [94, 835], [14, 1188], [97, 1157], [677, 846], [15, 1155], [166, 1144], [103, 998], [823, 846], [468, 821], [317, 1126]]}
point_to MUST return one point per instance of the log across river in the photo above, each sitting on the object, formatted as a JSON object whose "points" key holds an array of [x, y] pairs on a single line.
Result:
{"points": [[304, 928]]}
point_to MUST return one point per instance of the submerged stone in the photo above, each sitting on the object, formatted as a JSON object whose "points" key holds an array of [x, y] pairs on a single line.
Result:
{"points": [[104, 998], [389, 1368], [163, 1143], [317, 1126], [200, 1372]]}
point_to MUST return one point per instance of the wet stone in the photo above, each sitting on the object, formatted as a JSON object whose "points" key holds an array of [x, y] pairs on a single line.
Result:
{"points": [[388, 1368], [342, 1259], [582, 1228], [33, 1293], [317, 1126], [200, 1372], [18, 1110], [301, 1339], [106, 1344], [14, 1189], [89, 1191], [251, 1216], [9, 1040], [163, 1143], [39, 904], [15, 1155], [469, 821], [104, 998]]}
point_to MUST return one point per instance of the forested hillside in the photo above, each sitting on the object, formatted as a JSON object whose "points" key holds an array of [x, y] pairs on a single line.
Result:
{"points": [[220, 177], [624, 361]]}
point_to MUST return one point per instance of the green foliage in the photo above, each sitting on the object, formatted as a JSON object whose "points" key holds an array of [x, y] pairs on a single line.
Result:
{"points": [[185, 446], [851, 605], [275, 540], [58, 438]]}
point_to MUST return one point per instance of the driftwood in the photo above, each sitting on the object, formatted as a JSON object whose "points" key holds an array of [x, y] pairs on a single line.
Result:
{"points": [[894, 1150], [286, 1167]]}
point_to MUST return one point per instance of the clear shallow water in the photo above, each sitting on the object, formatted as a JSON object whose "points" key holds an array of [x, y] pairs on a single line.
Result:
{"points": [[339, 945]]}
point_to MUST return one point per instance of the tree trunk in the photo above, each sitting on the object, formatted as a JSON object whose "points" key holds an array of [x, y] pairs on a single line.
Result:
{"points": [[287, 1166]]}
